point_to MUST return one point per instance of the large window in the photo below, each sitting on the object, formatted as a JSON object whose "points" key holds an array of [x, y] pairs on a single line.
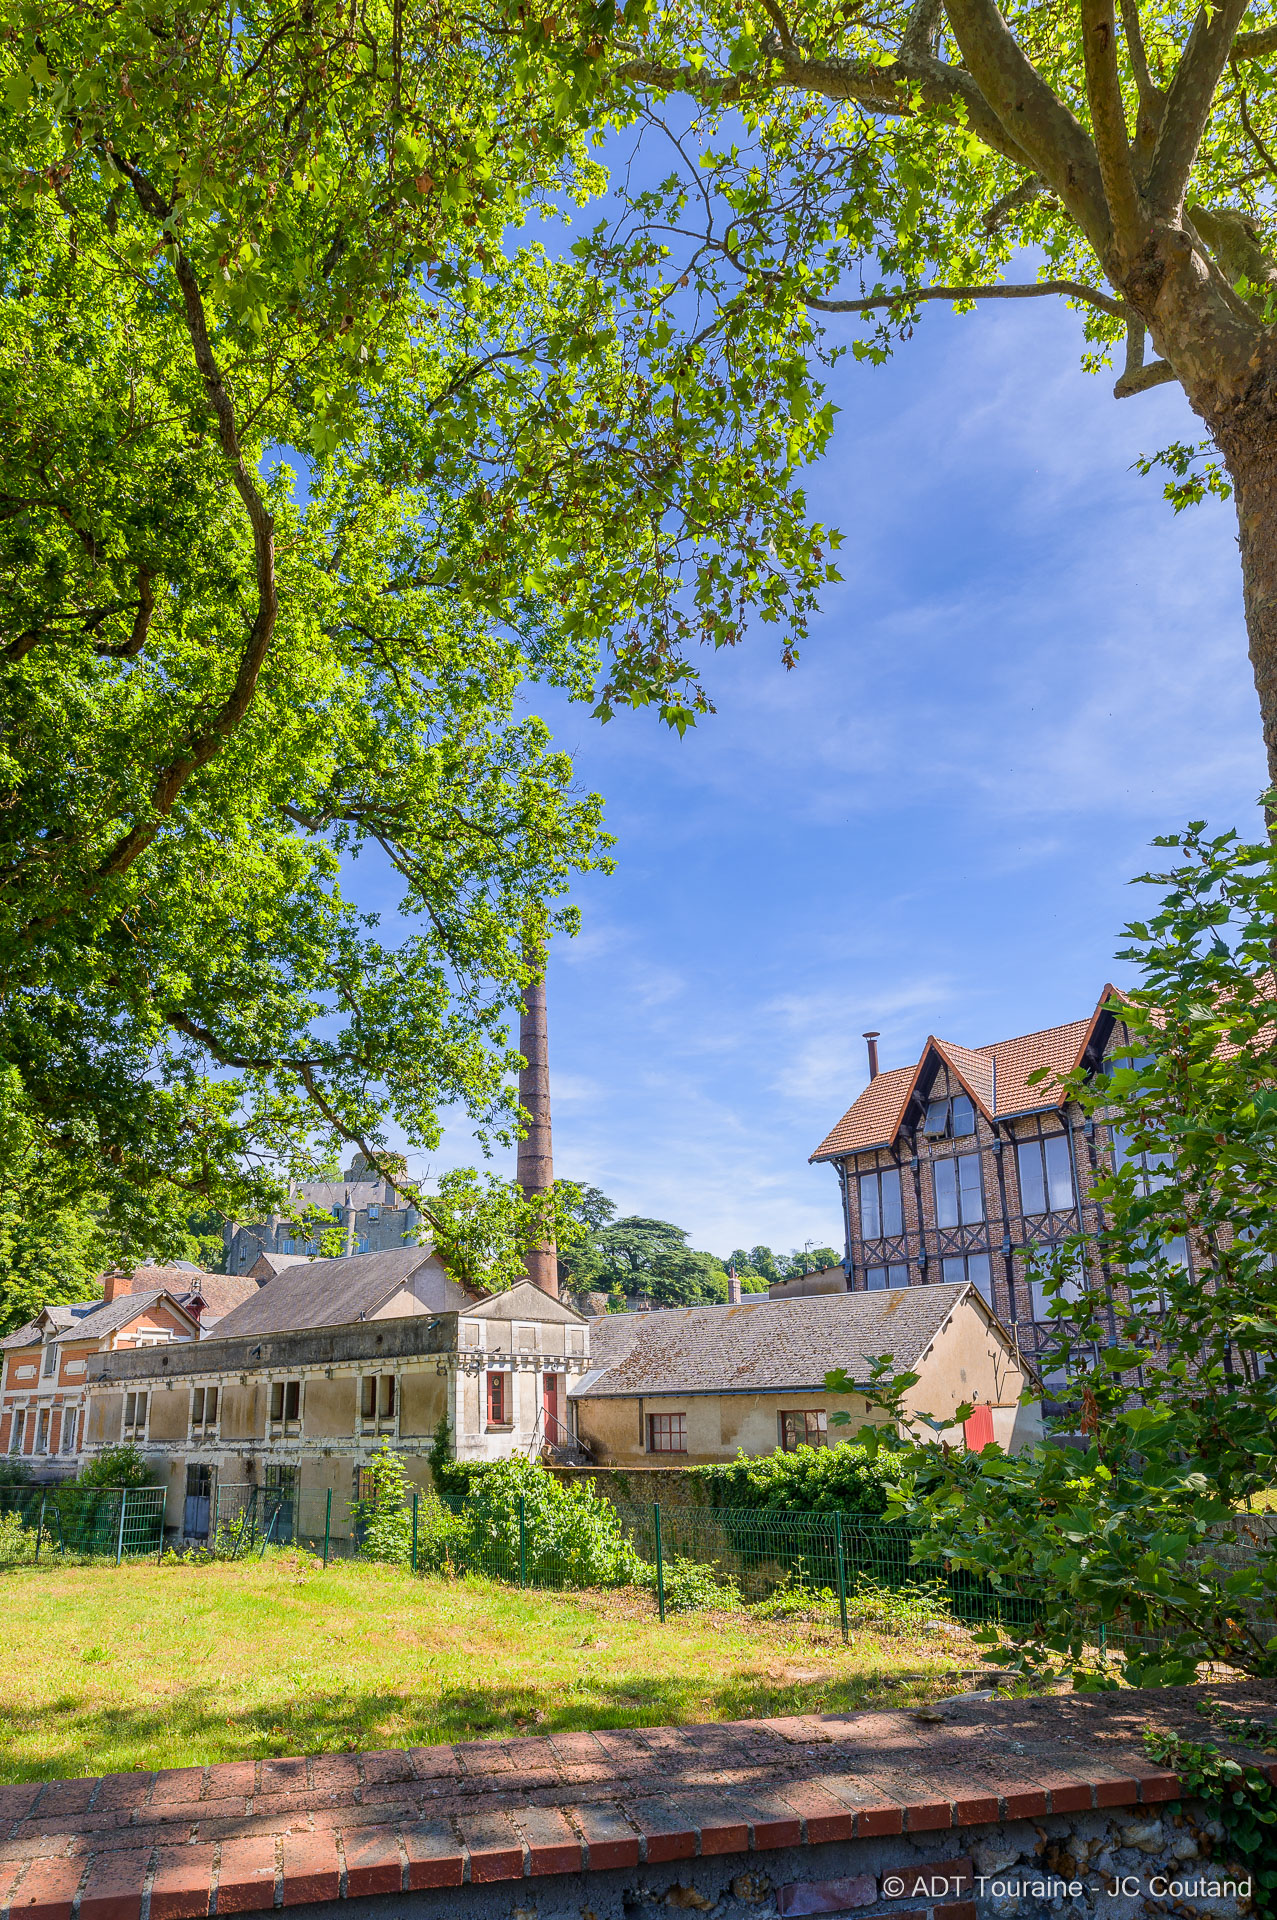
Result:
{"points": [[70, 1420], [959, 1190], [878, 1279], [667, 1433], [1046, 1174], [880, 1213], [42, 1432], [15, 1433], [134, 1415], [949, 1119], [803, 1430], [500, 1400], [973, 1267]]}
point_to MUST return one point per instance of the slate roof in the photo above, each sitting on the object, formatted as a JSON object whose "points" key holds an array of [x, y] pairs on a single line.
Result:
{"points": [[28, 1336], [335, 1293], [996, 1077], [763, 1346]]}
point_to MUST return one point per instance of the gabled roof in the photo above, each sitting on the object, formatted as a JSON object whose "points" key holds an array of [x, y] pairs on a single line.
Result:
{"points": [[996, 1076], [336, 1293], [764, 1346], [220, 1292], [129, 1306]]}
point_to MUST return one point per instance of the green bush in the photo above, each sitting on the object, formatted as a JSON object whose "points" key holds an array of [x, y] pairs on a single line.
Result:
{"points": [[116, 1467], [693, 1586], [572, 1537], [383, 1524], [810, 1480], [17, 1542]]}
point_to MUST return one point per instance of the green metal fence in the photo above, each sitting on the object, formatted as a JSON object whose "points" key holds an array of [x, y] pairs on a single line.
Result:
{"points": [[70, 1522]]}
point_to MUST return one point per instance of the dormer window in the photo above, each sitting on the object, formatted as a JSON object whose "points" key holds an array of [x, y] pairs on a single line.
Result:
{"points": [[950, 1119], [50, 1360]]}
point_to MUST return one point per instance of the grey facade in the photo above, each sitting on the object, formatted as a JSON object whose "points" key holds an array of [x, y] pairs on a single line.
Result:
{"points": [[369, 1213]]}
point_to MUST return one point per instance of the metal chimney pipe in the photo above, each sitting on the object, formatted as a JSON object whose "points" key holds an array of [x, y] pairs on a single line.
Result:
{"points": [[872, 1039]]}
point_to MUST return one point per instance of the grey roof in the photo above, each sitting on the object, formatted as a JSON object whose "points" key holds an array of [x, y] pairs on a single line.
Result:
{"points": [[28, 1336], [220, 1292], [60, 1319], [335, 1293], [763, 1345]]}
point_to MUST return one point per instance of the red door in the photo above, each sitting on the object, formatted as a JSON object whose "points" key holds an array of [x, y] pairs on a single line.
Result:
{"points": [[550, 1403], [978, 1431]]}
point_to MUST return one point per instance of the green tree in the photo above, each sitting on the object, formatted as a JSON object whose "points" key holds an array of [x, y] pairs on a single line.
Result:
{"points": [[829, 160], [1169, 1374], [223, 670], [483, 1225]]}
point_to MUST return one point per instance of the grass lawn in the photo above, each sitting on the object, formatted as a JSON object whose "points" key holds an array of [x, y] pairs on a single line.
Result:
{"points": [[106, 1669]]}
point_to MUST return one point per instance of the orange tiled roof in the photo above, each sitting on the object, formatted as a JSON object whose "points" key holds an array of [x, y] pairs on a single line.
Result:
{"points": [[996, 1076]]}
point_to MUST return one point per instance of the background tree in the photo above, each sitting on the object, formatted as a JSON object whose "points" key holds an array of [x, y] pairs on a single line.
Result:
{"points": [[827, 159], [222, 675], [637, 1255]]}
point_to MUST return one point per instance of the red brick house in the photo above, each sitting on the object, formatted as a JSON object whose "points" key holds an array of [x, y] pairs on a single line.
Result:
{"points": [[45, 1363], [952, 1167]]}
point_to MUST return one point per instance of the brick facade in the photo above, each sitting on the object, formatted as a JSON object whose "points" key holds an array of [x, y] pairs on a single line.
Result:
{"points": [[951, 1224]]}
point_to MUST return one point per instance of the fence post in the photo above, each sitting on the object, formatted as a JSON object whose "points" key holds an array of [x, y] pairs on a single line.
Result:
{"points": [[660, 1563], [523, 1541], [39, 1532], [159, 1557], [328, 1522], [119, 1543], [415, 1497], [842, 1576]]}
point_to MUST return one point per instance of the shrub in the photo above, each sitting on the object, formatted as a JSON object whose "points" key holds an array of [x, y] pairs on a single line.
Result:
{"points": [[17, 1542], [693, 1586], [14, 1472], [572, 1537], [809, 1480], [383, 1524], [116, 1467]]}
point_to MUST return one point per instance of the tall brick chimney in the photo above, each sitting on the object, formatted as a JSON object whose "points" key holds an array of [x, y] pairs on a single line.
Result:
{"points": [[536, 1152]]}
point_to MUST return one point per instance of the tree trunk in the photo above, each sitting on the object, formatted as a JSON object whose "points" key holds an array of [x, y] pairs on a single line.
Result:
{"points": [[536, 1152], [1247, 436]]}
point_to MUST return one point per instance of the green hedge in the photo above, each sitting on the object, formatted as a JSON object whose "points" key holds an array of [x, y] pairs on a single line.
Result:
{"points": [[810, 1480]]}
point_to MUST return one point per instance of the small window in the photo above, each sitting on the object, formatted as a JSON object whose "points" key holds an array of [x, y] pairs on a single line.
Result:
{"points": [[285, 1400], [204, 1407], [374, 1211], [667, 1433], [368, 1397], [70, 1420], [50, 1360], [42, 1432], [15, 1436], [973, 1267], [878, 1279], [386, 1396], [134, 1413], [803, 1430], [950, 1119], [500, 1411], [880, 1210], [197, 1407]]}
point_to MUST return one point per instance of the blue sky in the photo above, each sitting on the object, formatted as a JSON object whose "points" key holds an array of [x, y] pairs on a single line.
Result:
{"points": [[1033, 666]]}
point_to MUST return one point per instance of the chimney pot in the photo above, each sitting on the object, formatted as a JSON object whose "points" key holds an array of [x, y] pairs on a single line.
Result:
{"points": [[871, 1039]]}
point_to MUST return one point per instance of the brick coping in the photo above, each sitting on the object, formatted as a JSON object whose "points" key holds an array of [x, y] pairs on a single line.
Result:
{"points": [[253, 1835]]}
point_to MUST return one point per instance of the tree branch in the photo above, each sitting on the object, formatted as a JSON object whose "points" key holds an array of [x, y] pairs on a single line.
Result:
{"points": [[204, 745], [1136, 377], [1188, 104], [919, 39], [1108, 123], [141, 622], [1032, 114], [1151, 97], [1253, 46], [906, 296]]}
